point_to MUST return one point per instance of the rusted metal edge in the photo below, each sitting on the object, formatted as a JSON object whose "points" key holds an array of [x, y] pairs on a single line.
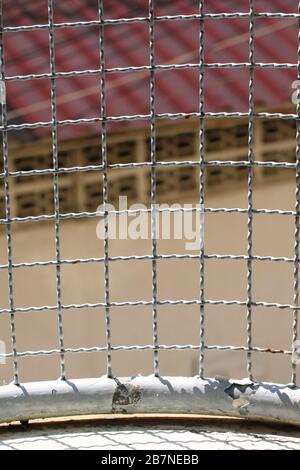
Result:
{"points": [[168, 395]]}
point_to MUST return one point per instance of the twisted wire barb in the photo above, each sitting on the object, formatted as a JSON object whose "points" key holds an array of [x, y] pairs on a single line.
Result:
{"points": [[105, 188], [11, 310], [56, 190], [250, 190], [297, 225], [153, 187], [201, 186]]}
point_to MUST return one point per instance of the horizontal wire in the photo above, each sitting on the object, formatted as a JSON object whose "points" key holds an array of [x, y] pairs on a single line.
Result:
{"points": [[137, 303], [146, 68], [134, 165], [147, 117], [172, 347], [146, 257], [82, 215], [145, 19]]}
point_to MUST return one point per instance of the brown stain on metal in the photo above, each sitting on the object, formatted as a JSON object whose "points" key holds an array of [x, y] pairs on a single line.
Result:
{"points": [[125, 395]]}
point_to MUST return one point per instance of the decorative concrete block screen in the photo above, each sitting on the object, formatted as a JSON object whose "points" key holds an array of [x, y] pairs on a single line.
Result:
{"points": [[153, 393]]}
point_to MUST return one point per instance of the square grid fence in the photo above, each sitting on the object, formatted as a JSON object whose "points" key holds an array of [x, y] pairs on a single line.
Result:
{"points": [[154, 393]]}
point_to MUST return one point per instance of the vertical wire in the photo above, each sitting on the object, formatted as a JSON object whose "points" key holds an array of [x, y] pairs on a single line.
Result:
{"points": [[56, 189], [201, 186], [105, 187], [297, 222], [7, 205], [250, 190], [153, 187]]}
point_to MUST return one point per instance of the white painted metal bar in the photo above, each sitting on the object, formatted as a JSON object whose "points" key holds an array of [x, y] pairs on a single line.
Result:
{"points": [[171, 395]]}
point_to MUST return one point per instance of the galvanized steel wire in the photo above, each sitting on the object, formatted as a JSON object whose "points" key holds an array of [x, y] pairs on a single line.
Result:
{"points": [[153, 164]]}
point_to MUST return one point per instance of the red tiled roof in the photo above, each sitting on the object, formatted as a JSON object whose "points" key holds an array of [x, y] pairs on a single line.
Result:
{"points": [[226, 40]]}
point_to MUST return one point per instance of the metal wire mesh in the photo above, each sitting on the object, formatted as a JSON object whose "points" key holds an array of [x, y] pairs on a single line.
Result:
{"points": [[103, 166]]}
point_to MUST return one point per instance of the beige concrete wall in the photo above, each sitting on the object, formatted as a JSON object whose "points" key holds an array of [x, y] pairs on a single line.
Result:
{"points": [[131, 280]]}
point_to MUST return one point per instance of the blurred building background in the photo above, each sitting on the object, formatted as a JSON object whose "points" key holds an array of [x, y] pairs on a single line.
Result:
{"points": [[78, 97]]}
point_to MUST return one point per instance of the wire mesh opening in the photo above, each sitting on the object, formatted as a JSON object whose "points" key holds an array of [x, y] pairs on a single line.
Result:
{"points": [[127, 118]]}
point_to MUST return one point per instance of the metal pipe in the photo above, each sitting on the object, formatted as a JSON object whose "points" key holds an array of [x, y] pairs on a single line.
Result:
{"points": [[172, 395]]}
